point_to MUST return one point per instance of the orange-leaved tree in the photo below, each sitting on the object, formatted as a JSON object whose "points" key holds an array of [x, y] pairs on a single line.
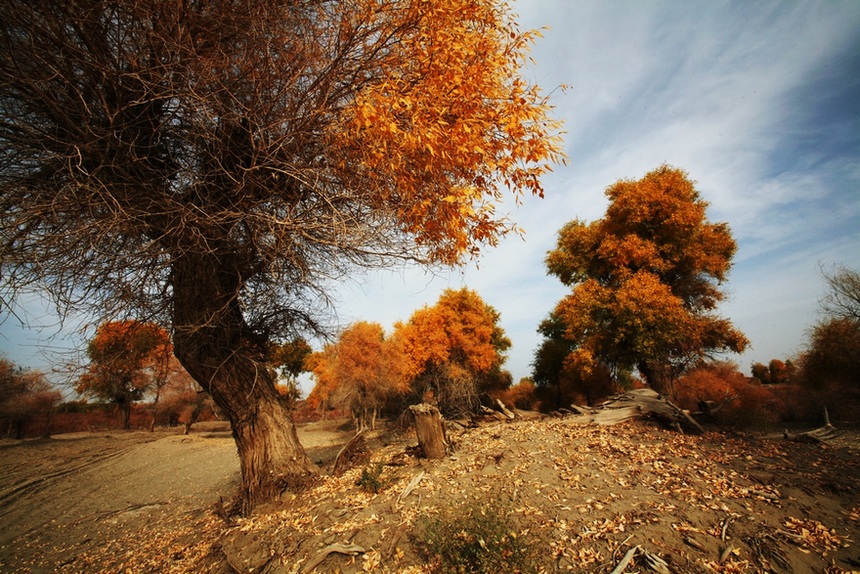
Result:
{"points": [[215, 164], [126, 358], [288, 360], [365, 370], [361, 372], [723, 394], [645, 280], [454, 351], [563, 377]]}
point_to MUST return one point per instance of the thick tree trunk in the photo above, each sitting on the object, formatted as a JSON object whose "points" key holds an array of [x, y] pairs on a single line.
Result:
{"points": [[271, 458], [219, 350], [125, 412], [659, 377]]}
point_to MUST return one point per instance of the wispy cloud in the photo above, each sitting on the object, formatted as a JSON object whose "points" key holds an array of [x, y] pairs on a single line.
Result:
{"points": [[758, 101]]}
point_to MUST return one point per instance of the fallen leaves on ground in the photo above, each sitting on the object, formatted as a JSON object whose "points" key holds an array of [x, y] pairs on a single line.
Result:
{"points": [[587, 494]]}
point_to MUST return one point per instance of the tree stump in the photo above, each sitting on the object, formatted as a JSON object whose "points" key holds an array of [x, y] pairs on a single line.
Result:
{"points": [[430, 429]]}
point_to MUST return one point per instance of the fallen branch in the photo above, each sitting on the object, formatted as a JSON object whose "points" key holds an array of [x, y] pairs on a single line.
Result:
{"points": [[505, 411], [641, 403], [655, 563], [726, 553], [819, 435], [409, 488], [626, 560], [344, 459]]}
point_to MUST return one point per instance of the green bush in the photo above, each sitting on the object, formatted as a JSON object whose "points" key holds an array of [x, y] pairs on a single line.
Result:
{"points": [[371, 478], [481, 537]]}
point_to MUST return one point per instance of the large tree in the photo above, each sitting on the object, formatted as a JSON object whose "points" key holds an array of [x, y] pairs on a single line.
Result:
{"points": [[645, 280], [214, 165]]}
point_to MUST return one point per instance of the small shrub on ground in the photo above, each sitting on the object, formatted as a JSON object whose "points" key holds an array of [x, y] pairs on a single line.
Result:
{"points": [[371, 478], [481, 537]]}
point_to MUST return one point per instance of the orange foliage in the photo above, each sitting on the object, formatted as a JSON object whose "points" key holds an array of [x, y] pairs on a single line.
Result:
{"points": [[454, 351], [321, 366], [744, 400], [358, 372], [446, 120], [523, 396], [126, 358], [645, 279]]}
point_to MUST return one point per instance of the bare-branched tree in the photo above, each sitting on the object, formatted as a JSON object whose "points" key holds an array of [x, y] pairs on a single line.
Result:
{"points": [[212, 166], [842, 300]]}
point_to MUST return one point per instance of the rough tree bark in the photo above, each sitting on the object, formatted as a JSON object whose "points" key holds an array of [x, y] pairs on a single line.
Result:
{"points": [[219, 350], [430, 429]]}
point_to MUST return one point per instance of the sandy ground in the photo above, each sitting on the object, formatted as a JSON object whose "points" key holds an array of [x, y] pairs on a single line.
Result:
{"points": [[722, 502], [71, 494]]}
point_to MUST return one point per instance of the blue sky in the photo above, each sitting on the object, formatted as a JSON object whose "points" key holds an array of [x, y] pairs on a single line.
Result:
{"points": [[758, 101]]}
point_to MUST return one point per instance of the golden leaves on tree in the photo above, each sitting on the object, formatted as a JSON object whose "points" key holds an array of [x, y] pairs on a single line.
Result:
{"points": [[645, 278]]}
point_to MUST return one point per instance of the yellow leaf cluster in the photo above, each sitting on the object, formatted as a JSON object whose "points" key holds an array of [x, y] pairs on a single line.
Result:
{"points": [[645, 277], [444, 122]]}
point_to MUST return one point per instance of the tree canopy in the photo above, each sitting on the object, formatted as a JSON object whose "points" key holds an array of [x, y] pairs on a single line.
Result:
{"points": [[361, 371], [454, 351], [126, 359], [24, 395], [214, 165], [645, 280], [450, 353]]}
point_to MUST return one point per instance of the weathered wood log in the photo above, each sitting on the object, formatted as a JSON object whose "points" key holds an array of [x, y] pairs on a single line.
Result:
{"points": [[641, 403], [821, 434], [409, 487], [505, 411], [430, 430], [354, 452]]}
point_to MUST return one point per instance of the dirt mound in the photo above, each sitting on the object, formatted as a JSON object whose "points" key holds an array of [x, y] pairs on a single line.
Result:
{"points": [[585, 495]]}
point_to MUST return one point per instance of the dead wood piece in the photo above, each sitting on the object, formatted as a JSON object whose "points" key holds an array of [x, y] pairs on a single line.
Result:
{"points": [[816, 436], [584, 411], [353, 452], [409, 487], [348, 549], [528, 415], [654, 562], [694, 543], [626, 560], [430, 430], [645, 402], [505, 411], [724, 529], [819, 435], [489, 413], [726, 553], [615, 415]]}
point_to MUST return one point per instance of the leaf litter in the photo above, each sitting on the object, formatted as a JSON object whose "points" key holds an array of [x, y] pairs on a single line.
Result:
{"points": [[587, 495]]}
